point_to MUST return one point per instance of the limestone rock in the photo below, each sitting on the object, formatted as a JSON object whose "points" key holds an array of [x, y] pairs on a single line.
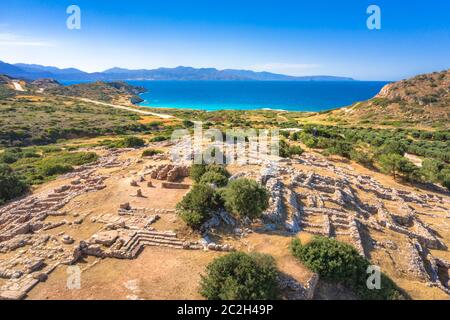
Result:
{"points": [[125, 206], [106, 238], [66, 239]]}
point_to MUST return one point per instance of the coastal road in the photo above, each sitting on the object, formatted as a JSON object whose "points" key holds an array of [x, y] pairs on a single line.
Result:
{"points": [[148, 113]]}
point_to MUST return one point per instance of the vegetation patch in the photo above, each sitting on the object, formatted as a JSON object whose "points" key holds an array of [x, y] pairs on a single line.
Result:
{"points": [[151, 152], [215, 178], [46, 120], [241, 276], [339, 262], [159, 138], [287, 150], [11, 184], [47, 166], [127, 142], [246, 198], [198, 205], [197, 171]]}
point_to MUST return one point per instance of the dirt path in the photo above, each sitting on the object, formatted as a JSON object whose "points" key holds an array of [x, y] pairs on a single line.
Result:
{"points": [[163, 116]]}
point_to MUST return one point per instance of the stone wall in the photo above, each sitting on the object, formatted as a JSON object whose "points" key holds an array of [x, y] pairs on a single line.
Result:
{"points": [[276, 209], [173, 185]]}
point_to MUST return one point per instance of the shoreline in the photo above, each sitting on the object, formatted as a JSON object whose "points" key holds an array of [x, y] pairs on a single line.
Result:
{"points": [[216, 110], [193, 108]]}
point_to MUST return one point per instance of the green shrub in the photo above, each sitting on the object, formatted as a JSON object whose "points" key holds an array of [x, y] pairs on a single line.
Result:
{"points": [[444, 178], [51, 169], [393, 146], [197, 171], [30, 154], [63, 162], [158, 138], [409, 170], [75, 158], [330, 258], [127, 142], [295, 150], [396, 164], [362, 157], [11, 185], [151, 152], [390, 163], [241, 276], [339, 262], [217, 168], [283, 149], [198, 204], [8, 157], [194, 219], [431, 169], [131, 142], [287, 150], [12, 155], [215, 178], [295, 136], [188, 124], [246, 198], [310, 142], [340, 148], [50, 149]]}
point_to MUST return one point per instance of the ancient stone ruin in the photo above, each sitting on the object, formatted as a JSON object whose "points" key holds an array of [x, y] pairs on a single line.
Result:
{"points": [[329, 205]]}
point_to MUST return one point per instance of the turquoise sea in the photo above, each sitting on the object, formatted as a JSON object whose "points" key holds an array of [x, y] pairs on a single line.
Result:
{"points": [[246, 95]]}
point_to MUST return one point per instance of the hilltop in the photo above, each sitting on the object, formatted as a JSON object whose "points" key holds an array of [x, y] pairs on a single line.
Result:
{"points": [[112, 92], [422, 101], [43, 111], [101, 91]]}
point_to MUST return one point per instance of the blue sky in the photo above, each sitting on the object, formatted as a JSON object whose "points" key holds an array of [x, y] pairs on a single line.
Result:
{"points": [[291, 37]]}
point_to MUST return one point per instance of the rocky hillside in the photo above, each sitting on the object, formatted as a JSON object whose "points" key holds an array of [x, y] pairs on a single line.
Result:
{"points": [[9, 86], [15, 85], [112, 92], [423, 100], [45, 84]]}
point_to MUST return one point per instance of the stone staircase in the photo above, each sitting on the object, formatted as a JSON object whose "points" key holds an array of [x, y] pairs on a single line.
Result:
{"points": [[340, 225], [325, 221], [313, 223], [141, 239]]}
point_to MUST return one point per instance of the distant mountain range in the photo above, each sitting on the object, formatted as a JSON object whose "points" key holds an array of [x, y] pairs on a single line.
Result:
{"points": [[34, 71]]}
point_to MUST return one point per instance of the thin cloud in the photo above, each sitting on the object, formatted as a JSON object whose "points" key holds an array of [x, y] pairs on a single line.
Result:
{"points": [[25, 44], [8, 39], [284, 66]]}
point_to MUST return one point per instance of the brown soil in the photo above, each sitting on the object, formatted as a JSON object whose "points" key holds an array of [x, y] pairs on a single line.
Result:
{"points": [[156, 274]]}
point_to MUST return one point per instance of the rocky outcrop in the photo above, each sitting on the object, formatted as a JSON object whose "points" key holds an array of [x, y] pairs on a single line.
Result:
{"points": [[168, 172], [294, 290], [276, 211]]}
